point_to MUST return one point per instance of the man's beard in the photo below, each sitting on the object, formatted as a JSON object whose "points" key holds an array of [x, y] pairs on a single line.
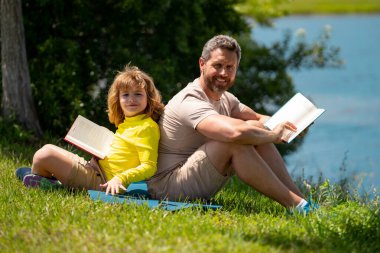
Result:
{"points": [[211, 85]]}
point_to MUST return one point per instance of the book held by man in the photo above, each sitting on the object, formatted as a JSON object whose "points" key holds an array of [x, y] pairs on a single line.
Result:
{"points": [[300, 111], [90, 137]]}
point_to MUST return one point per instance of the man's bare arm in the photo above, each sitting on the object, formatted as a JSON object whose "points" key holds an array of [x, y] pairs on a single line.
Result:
{"points": [[227, 129], [249, 114]]}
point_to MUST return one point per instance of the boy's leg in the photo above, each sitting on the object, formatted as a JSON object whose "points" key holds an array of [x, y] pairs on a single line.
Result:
{"points": [[22, 172], [71, 170], [33, 180], [51, 160]]}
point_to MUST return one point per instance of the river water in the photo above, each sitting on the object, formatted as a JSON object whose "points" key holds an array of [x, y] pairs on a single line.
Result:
{"points": [[346, 138]]}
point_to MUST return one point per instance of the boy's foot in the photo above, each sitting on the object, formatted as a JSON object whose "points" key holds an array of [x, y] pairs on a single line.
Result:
{"points": [[22, 172], [33, 180]]}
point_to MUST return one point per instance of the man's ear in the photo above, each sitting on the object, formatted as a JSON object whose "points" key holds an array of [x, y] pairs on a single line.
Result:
{"points": [[201, 63]]}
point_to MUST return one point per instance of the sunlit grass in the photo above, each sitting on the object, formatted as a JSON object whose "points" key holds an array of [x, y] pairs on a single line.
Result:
{"points": [[331, 6], [261, 10], [36, 220]]}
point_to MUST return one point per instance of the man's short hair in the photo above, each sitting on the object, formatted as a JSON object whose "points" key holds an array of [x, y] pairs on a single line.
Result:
{"points": [[221, 41]]}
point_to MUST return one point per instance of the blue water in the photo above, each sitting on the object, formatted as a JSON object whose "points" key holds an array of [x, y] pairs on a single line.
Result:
{"points": [[348, 133]]}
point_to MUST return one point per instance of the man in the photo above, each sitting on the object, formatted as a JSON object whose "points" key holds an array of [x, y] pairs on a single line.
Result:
{"points": [[207, 136]]}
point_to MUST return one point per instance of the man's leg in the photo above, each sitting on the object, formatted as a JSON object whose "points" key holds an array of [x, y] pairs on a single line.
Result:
{"points": [[275, 161], [252, 169]]}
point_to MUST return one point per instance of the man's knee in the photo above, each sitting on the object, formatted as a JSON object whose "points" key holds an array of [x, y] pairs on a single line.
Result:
{"points": [[226, 148], [221, 154]]}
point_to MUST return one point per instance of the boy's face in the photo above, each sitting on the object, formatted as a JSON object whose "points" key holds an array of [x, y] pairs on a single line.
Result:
{"points": [[133, 101]]}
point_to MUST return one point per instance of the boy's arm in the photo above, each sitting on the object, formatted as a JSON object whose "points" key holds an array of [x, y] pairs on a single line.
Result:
{"points": [[147, 151]]}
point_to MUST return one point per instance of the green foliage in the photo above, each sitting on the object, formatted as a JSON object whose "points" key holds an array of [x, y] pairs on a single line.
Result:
{"points": [[72, 45], [75, 48], [261, 10], [15, 132]]}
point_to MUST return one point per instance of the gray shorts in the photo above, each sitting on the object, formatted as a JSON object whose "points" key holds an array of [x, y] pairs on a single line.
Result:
{"points": [[84, 174], [197, 178]]}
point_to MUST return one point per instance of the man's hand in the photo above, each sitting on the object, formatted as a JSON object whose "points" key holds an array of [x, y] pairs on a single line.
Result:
{"points": [[255, 123], [304, 132], [284, 131], [113, 186]]}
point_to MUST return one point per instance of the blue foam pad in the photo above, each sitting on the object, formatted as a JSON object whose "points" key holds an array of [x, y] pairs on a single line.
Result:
{"points": [[137, 193], [98, 195]]}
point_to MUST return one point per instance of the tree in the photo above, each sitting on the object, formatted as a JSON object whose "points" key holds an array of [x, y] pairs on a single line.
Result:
{"points": [[17, 101]]}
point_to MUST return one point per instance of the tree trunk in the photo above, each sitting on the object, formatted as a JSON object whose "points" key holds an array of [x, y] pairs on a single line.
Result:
{"points": [[17, 100]]}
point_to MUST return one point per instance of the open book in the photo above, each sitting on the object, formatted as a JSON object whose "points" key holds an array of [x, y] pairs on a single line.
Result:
{"points": [[90, 137], [298, 110]]}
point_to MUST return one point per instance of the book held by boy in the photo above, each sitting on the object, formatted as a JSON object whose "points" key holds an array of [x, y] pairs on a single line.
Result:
{"points": [[90, 137], [299, 111]]}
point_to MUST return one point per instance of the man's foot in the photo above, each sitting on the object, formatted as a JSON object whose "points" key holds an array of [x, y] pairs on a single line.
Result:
{"points": [[33, 180], [311, 206], [22, 172]]}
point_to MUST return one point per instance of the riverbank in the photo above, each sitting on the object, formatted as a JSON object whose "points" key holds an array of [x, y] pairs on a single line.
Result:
{"points": [[297, 7]]}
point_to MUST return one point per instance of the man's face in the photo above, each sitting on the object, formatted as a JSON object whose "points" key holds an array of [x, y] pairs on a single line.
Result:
{"points": [[219, 71]]}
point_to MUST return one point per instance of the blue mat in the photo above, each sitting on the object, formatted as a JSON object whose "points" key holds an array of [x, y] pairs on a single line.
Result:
{"points": [[137, 193]]}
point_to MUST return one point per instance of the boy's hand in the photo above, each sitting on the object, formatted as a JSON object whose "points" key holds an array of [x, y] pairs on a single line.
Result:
{"points": [[113, 186]]}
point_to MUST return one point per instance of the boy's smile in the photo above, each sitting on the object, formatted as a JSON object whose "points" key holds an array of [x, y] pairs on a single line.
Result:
{"points": [[133, 101]]}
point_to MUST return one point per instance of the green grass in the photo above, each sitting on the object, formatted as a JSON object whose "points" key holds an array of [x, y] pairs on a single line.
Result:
{"points": [[331, 6], [36, 220], [261, 10]]}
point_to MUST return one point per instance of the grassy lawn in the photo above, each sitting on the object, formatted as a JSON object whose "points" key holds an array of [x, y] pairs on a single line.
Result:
{"points": [[37, 220], [331, 6], [273, 8]]}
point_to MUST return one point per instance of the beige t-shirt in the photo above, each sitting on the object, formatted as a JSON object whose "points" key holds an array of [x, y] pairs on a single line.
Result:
{"points": [[179, 138]]}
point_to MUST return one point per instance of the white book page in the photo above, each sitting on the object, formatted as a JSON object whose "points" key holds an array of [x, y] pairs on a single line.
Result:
{"points": [[299, 111], [293, 111], [89, 136], [310, 118], [95, 152]]}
